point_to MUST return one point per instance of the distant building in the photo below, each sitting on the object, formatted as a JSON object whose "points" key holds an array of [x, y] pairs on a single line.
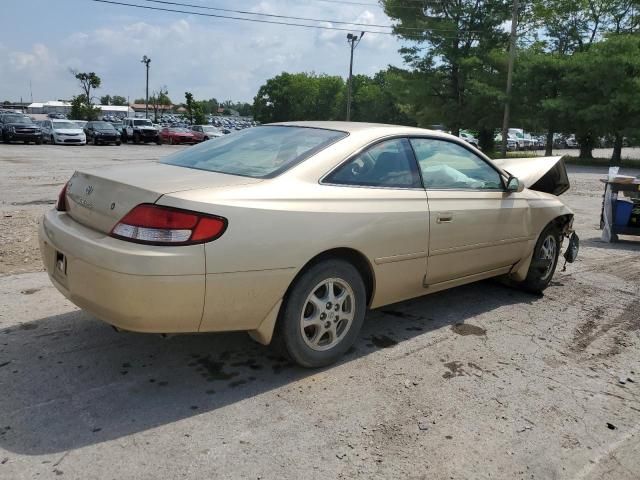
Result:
{"points": [[140, 108], [117, 110], [57, 106], [52, 106]]}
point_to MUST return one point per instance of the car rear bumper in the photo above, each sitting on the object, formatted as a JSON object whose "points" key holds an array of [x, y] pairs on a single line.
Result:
{"points": [[130, 286]]}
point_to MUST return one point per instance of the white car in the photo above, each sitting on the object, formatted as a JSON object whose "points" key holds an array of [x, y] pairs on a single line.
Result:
{"points": [[63, 132], [469, 139]]}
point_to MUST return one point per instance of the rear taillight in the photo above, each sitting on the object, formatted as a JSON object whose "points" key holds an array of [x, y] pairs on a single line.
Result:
{"points": [[61, 206], [158, 225]]}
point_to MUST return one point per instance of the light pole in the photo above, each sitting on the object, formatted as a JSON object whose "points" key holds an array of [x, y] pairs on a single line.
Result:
{"points": [[353, 41], [146, 60], [512, 57]]}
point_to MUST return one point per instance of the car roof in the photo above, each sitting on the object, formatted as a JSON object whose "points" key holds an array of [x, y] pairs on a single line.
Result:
{"points": [[355, 127]]}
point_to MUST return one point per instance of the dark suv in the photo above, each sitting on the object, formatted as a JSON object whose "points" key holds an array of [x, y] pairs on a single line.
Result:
{"points": [[101, 133], [139, 130], [19, 128]]}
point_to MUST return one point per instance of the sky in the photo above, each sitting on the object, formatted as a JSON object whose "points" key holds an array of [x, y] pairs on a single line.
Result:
{"points": [[41, 40]]}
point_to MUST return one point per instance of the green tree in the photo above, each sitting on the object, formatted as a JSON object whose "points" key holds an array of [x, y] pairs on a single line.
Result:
{"points": [[299, 96], [537, 87], [452, 41], [569, 26], [159, 101], [374, 101], [80, 110], [88, 81], [119, 100], [194, 109], [601, 93], [105, 100]]}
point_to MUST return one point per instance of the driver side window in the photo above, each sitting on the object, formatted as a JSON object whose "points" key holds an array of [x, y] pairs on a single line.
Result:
{"points": [[385, 164], [446, 165]]}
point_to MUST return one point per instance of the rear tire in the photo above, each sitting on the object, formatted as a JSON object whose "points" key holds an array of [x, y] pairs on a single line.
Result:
{"points": [[322, 314], [544, 260]]}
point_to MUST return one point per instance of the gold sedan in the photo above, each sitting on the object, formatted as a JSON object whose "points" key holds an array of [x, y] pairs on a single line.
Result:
{"points": [[292, 231]]}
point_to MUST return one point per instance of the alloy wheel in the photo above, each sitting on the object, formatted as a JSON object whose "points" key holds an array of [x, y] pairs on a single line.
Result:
{"points": [[548, 253], [327, 314]]}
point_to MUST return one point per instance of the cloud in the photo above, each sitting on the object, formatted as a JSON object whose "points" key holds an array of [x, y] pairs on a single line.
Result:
{"points": [[209, 57]]}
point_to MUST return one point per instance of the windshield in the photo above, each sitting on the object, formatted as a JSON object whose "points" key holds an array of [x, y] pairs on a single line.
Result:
{"points": [[261, 152], [64, 125], [143, 123], [209, 129], [103, 126], [16, 119]]}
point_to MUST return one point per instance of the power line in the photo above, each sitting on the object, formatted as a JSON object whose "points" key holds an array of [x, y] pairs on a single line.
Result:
{"points": [[229, 17], [273, 15], [274, 22], [307, 19]]}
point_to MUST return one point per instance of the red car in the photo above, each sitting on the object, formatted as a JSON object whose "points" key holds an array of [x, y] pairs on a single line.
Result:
{"points": [[173, 135]]}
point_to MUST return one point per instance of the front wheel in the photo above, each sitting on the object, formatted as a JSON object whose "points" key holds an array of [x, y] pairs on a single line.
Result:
{"points": [[544, 261], [322, 314]]}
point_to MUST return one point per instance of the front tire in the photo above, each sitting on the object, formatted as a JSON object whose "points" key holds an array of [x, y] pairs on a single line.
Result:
{"points": [[322, 314], [544, 261]]}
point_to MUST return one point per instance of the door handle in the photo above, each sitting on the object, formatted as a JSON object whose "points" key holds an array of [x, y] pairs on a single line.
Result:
{"points": [[445, 217]]}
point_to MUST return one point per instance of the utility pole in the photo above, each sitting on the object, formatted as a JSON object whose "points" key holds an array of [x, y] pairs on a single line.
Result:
{"points": [[512, 57], [353, 41], [146, 60]]}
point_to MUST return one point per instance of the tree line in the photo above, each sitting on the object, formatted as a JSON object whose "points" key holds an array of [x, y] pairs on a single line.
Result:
{"points": [[83, 107], [577, 71]]}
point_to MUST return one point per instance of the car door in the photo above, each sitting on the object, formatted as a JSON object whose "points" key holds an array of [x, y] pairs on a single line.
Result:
{"points": [[476, 226], [129, 128], [385, 181]]}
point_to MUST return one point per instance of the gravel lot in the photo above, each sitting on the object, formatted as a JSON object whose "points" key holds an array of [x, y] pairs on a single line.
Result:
{"points": [[481, 381]]}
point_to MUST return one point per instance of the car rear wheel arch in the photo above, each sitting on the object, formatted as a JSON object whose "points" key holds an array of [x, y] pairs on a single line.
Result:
{"points": [[350, 255]]}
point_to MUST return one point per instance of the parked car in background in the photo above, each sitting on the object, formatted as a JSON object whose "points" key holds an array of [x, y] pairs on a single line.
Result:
{"points": [[119, 126], [177, 135], [139, 130], [293, 231], [512, 142], [571, 141], [101, 133], [205, 132], [62, 132], [15, 127], [467, 137]]}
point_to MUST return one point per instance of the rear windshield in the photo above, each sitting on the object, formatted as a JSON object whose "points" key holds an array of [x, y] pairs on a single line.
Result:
{"points": [[144, 123], [259, 152]]}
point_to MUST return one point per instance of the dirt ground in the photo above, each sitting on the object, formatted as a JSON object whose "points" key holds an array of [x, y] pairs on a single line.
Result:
{"points": [[478, 382]]}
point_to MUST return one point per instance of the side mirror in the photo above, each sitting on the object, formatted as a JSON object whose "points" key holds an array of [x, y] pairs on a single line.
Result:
{"points": [[514, 185]]}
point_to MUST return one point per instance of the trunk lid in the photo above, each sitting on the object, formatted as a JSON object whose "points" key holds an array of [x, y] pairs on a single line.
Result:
{"points": [[544, 174], [100, 198]]}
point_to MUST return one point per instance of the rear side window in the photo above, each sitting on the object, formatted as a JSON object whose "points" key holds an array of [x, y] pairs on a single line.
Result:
{"points": [[386, 164], [260, 152]]}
